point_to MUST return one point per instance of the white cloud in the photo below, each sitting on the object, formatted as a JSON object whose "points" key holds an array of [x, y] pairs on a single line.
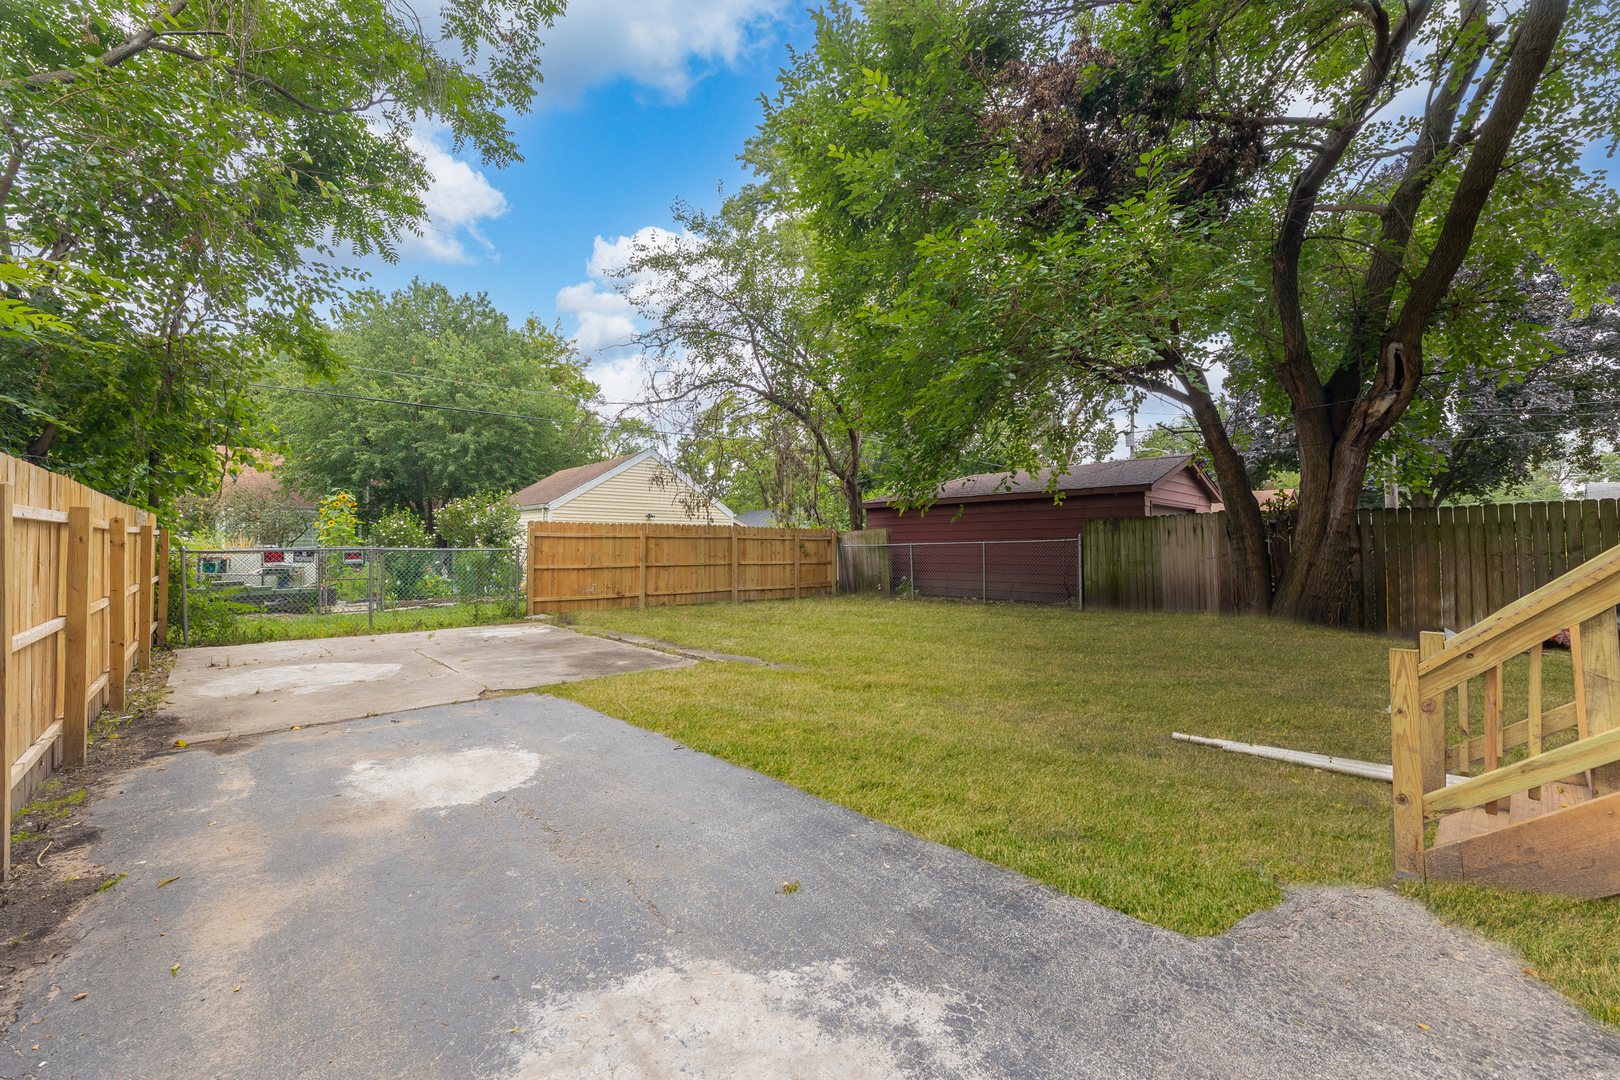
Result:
{"points": [[457, 199], [606, 318], [666, 45], [606, 321]]}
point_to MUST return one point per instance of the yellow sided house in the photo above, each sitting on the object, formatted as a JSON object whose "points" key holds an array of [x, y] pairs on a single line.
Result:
{"points": [[633, 489]]}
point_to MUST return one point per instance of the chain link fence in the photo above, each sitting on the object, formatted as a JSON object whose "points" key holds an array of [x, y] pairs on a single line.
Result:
{"points": [[357, 581], [1024, 571]]}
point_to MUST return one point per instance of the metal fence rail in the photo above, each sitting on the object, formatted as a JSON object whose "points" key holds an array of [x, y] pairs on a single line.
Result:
{"points": [[1023, 571], [280, 582]]}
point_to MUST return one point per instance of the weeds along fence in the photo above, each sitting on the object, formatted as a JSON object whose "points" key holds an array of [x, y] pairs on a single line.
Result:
{"points": [[581, 566], [83, 592], [277, 583], [1410, 570], [1026, 571]]}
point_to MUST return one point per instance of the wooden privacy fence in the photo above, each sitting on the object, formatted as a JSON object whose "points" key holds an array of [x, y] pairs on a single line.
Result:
{"points": [[1418, 570], [83, 589], [1177, 563], [1410, 570], [577, 566]]}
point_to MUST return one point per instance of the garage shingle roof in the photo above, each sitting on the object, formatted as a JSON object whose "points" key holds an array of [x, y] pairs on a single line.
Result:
{"points": [[1142, 472]]}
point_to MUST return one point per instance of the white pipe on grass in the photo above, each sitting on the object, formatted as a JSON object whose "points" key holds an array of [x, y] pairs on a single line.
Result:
{"points": [[1371, 770]]}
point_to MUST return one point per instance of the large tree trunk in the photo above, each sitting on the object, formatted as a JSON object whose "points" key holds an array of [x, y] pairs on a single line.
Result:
{"points": [[1338, 424]]}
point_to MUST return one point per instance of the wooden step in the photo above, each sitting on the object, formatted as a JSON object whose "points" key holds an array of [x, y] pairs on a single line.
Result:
{"points": [[1567, 843], [1475, 822]]}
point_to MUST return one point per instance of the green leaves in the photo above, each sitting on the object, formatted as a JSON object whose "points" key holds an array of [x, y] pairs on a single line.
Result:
{"points": [[221, 162]]}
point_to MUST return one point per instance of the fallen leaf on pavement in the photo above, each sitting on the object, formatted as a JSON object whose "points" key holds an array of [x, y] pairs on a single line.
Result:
{"points": [[174, 972], [81, 997], [166, 881]]}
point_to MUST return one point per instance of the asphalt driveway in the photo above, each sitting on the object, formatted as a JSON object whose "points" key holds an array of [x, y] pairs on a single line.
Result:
{"points": [[523, 888]]}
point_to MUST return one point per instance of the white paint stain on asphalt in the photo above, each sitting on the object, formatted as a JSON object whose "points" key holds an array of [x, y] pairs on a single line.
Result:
{"points": [[703, 1019], [295, 678], [431, 781]]}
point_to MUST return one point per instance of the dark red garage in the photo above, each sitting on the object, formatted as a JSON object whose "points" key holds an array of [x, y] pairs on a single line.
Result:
{"points": [[999, 506], [1000, 536]]}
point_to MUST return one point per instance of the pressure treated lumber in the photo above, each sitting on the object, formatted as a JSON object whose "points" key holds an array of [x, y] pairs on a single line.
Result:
{"points": [[1406, 760], [1550, 765], [1574, 852]]}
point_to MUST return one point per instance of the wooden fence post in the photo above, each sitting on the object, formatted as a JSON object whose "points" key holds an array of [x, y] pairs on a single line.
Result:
{"points": [[74, 704], [797, 555], [143, 612], [8, 679], [1600, 676], [1406, 757], [734, 589], [163, 587], [643, 566], [1432, 725], [117, 609]]}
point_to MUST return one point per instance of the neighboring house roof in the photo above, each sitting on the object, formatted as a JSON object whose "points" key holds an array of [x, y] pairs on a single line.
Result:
{"points": [[1601, 490], [1131, 473], [560, 487], [260, 479], [757, 519], [554, 487]]}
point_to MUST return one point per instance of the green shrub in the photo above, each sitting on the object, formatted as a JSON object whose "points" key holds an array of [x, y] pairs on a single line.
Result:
{"points": [[486, 520], [400, 529]]}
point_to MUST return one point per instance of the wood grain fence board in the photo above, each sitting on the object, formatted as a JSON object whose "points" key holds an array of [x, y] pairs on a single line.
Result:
{"points": [[1539, 534], [1574, 527], [1476, 563], [1591, 529], [1524, 543], [1610, 510], [1558, 563], [1491, 528], [10, 748], [1369, 567], [1400, 556], [1447, 548], [1380, 531]]}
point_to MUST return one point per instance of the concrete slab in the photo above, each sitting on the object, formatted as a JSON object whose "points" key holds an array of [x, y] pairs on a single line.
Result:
{"points": [[521, 888], [250, 689]]}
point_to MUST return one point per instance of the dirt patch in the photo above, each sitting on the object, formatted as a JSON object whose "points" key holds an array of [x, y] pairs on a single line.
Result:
{"points": [[52, 872]]}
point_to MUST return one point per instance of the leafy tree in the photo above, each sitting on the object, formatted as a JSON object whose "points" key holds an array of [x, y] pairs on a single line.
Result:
{"points": [[165, 171], [271, 517], [492, 416], [1032, 214], [761, 459], [731, 317], [486, 519]]}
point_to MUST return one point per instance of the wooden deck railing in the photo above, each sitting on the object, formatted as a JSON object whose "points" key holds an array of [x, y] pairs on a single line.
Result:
{"points": [[83, 592], [1503, 825]]}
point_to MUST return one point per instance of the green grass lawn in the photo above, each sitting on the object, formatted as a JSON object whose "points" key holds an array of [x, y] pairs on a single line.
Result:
{"points": [[1039, 738], [248, 629]]}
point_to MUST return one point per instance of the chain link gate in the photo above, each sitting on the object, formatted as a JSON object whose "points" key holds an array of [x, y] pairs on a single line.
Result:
{"points": [[286, 582]]}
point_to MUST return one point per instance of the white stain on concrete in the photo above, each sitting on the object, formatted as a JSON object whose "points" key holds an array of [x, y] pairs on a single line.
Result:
{"points": [[431, 781], [295, 679], [699, 1019], [504, 632]]}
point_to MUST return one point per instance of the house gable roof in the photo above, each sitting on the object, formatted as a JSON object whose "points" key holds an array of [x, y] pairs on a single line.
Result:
{"points": [[567, 482], [561, 487], [1131, 474]]}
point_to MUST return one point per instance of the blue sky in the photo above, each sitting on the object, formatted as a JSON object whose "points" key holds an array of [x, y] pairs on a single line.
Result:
{"points": [[645, 101]]}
